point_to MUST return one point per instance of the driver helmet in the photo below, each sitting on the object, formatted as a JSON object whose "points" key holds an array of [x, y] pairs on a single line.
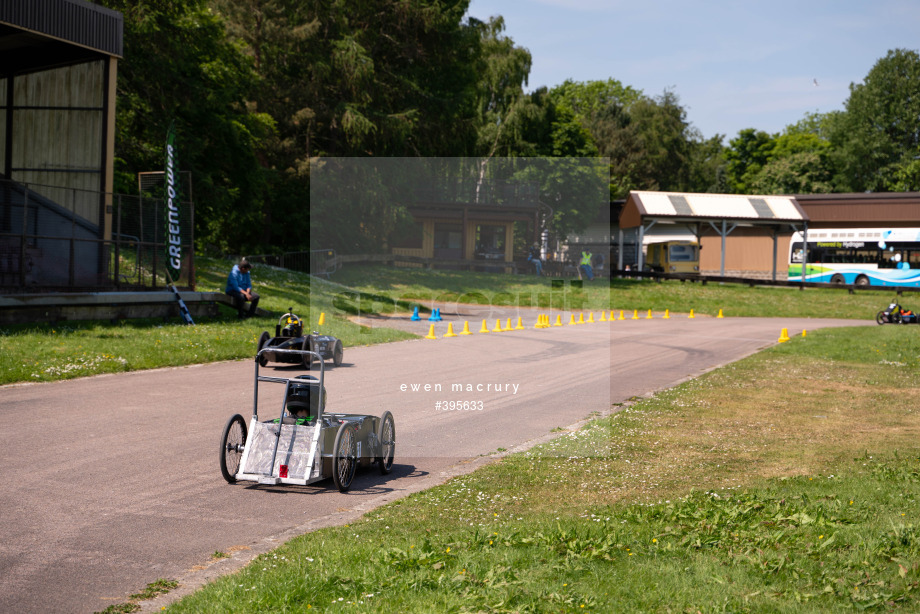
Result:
{"points": [[303, 400], [293, 328]]}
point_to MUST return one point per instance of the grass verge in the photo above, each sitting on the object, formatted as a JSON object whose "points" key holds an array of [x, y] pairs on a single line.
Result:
{"points": [[47, 352], [786, 482]]}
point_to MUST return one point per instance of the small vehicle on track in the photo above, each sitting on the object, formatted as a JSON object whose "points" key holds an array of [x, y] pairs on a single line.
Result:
{"points": [[289, 336], [895, 314], [305, 444]]}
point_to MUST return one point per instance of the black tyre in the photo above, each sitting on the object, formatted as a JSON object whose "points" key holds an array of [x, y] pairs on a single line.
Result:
{"points": [[338, 353], [862, 281], [232, 443], [386, 439], [881, 318], [344, 457], [263, 340], [894, 317], [838, 280], [307, 358]]}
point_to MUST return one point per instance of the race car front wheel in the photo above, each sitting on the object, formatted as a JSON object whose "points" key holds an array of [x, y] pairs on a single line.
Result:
{"points": [[232, 443], [262, 341]]}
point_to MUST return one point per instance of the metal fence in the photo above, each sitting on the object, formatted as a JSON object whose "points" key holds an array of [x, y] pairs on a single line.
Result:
{"points": [[55, 239]]}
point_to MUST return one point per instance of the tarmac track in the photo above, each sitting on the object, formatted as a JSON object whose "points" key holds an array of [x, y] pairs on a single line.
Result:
{"points": [[112, 482]]}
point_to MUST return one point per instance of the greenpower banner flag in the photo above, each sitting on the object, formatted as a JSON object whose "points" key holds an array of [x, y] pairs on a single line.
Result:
{"points": [[173, 225]]}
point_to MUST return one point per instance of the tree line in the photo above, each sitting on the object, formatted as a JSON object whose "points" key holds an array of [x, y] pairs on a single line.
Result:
{"points": [[261, 88]]}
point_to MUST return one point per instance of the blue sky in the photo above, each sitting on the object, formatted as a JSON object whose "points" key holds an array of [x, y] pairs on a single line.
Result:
{"points": [[733, 64]]}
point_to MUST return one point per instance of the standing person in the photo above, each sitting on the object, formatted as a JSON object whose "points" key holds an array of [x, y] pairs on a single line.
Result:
{"points": [[534, 256], [239, 287], [585, 265]]}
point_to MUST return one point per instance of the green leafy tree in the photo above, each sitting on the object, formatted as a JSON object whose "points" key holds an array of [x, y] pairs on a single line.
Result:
{"points": [[354, 78], [502, 106], [746, 155], [797, 164], [587, 99], [878, 136], [178, 65]]}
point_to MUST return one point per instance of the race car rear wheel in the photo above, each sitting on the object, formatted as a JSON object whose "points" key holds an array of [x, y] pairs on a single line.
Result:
{"points": [[344, 457], [232, 443], [386, 439], [338, 354], [263, 340]]}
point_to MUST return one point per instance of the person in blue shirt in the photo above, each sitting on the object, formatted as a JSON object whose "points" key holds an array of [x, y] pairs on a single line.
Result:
{"points": [[239, 288], [534, 257]]}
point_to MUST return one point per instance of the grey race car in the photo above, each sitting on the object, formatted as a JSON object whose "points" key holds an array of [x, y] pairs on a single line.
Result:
{"points": [[289, 336]]}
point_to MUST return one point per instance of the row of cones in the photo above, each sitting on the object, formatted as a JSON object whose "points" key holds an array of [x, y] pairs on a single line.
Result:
{"points": [[543, 321]]}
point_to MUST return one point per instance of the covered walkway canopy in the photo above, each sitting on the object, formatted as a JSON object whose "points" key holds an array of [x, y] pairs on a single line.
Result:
{"points": [[717, 214]]}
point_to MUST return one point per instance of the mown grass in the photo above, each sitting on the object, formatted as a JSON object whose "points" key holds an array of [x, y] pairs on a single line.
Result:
{"points": [[46, 352], [785, 482]]}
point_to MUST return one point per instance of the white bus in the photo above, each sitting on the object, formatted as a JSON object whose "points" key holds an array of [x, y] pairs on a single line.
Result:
{"points": [[860, 256]]}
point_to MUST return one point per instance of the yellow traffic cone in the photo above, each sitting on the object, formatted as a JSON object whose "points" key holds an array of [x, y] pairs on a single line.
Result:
{"points": [[508, 325], [572, 321], [649, 316], [430, 334], [322, 319], [667, 315], [621, 315], [804, 332], [603, 316], [635, 314], [581, 318], [591, 317], [720, 314], [485, 327], [450, 330], [783, 336], [466, 328], [691, 316], [520, 325], [498, 326], [558, 319]]}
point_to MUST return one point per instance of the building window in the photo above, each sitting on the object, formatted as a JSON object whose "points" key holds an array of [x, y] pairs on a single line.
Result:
{"points": [[448, 240], [490, 242]]}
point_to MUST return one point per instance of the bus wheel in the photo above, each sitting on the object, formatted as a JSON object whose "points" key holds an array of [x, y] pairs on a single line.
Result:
{"points": [[838, 279], [862, 280]]}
